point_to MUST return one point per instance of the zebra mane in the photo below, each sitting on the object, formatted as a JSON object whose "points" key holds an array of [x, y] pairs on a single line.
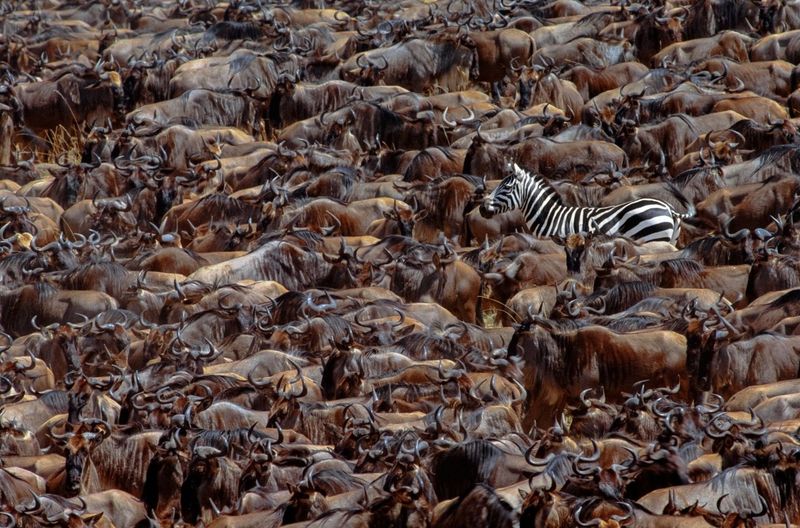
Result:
{"points": [[543, 184]]}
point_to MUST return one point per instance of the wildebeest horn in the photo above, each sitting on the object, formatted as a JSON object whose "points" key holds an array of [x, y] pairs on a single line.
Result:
{"points": [[763, 511], [385, 64], [577, 516], [586, 403], [581, 458], [279, 440], [330, 230], [358, 321], [12, 522], [160, 395], [35, 506], [523, 394], [625, 516], [707, 409], [480, 136], [402, 318], [19, 366], [447, 121], [719, 504], [739, 235], [739, 86], [711, 434]]}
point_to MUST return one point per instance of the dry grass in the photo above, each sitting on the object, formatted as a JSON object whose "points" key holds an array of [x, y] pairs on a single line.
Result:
{"points": [[67, 141], [490, 318]]}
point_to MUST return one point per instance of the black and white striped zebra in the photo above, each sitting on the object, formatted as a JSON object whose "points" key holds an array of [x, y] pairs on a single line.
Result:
{"points": [[642, 220]]}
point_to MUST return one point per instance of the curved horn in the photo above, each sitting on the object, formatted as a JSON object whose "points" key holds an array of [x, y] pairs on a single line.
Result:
{"points": [[446, 121], [577, 516], [737, 236]]}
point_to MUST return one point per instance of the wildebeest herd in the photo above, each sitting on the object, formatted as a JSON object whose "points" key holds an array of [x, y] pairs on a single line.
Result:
{"points": [[413, 263]]}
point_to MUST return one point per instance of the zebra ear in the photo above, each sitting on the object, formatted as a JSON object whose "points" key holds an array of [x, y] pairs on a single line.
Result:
{"points": [[518, 172]]}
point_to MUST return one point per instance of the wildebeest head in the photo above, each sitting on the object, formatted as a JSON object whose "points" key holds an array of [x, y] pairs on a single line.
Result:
{"points": [[614, 521], [57, 512], [15, 440], [203, 466], [609, 482], [165, 472], [659, 467], [259, 469], [342, 375], [78, 447], [404, 219], [305, 503]]}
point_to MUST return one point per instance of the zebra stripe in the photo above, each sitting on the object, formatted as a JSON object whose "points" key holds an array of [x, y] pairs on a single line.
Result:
{"points": [[642, 220]]}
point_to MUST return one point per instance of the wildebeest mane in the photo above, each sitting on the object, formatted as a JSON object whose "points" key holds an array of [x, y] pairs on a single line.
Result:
{"points": [[746, 482], [311, 239], [598, 17], [411, 282], [337, 183], [678, 270], [784, 270], [664, 78], [790, 297], [12, 265], [63, 189], [418, 345], [56, 400], [551, 353], [425, 159], [711, 250], [333, 481], [482, 501], [317, 212], [668, 273], [226, 440], [457, 470], [233, 30], [220, 380], [109, 277], [684, 178], [707, 17], [447, 52], [31, 298], [631, 323], [293, 266], [623, 295], [222, 207]]}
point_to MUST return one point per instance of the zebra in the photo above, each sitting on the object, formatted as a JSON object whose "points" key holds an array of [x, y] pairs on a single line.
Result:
{"points": [[642, 220]]}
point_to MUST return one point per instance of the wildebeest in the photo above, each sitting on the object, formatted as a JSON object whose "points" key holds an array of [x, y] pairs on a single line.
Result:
{"points": [[255, 268]]}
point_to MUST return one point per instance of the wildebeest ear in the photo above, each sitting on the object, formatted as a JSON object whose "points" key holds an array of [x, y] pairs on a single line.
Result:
{"points": [[406, 331], [523, 494], [73, 94], [91, 518]]}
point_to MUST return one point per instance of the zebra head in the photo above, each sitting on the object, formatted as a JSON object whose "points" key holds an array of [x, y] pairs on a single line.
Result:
{"points": [[506, 196]]}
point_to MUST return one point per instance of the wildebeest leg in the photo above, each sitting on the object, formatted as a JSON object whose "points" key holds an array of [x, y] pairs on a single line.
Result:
{"points": [[496, 92], [6, 131]]}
